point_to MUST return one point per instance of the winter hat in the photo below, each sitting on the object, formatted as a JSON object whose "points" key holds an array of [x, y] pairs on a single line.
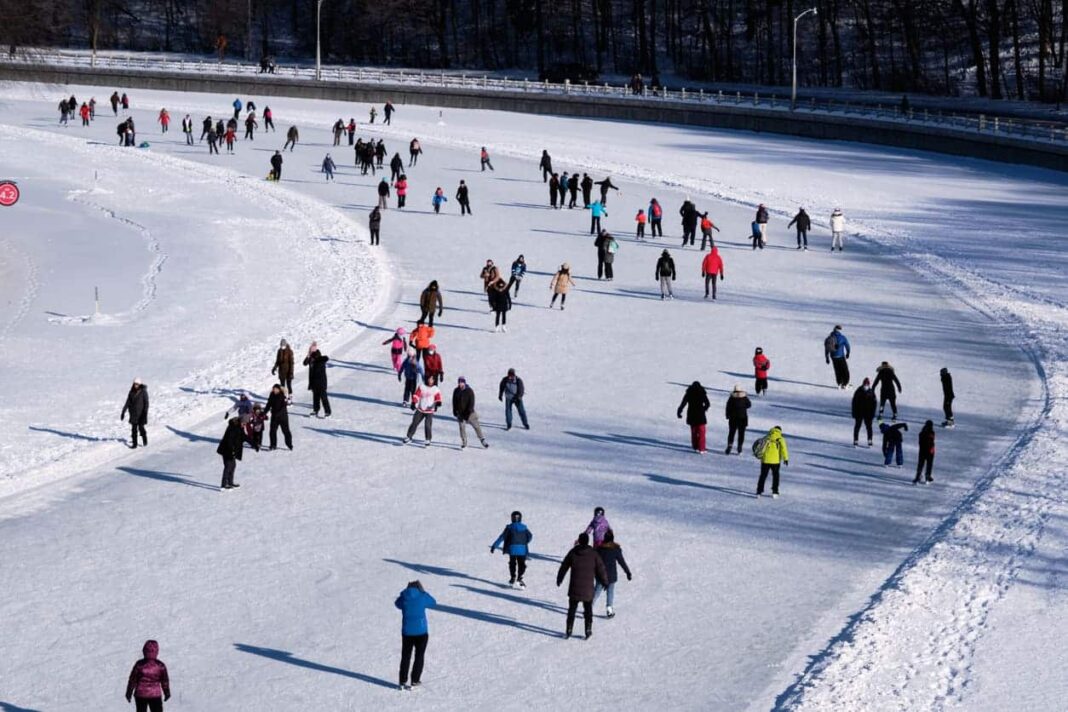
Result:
{"points": [[884, 364], [283, 343], [867, 382], [517, 516], [738, 389], [759, 350], [511, 372], [461, 379], [598, 511], [944, 370], [584, 539], [566, 267], [837, 327], [401, 331], [137, 382], [150, 649]]}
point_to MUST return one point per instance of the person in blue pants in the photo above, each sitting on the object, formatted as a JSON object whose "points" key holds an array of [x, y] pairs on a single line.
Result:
{"points": [[892, 439], [514, 541], [511, 392], [413, 602]]}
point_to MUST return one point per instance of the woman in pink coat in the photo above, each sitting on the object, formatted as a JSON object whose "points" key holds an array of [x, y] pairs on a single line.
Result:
{"points": [[598, 526], [149, 685], [398, 345], [401, 186]]}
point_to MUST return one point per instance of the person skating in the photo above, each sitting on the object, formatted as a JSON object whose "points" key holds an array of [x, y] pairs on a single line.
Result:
{"points": [[926, 453], [387, 112], [374, 225], [737, 414], [338, 129], [277, 410], [401, 186], [213, 142], [426, 400], [413, 603], [655, 214], [773, 452], [519, 271], [606, 254], [761, 220], [597, 211], [554, 190], [889, 386], [125, 102], [707, 226], [512, 392], [756, 235], [164, 120], [433, 365], [598, 526], [283, 366], [231, 447], [688, 213], [804, 224], [137, 406], [276, 166], [611, 555], [205, 127], [115, 103], [605, 186], [836, 351], [761, 366], [328, 167], [430, 301], [863, 411], [438, 199], [463, 409], [500, 301], [837, 230], [572, 189], [712, 269], [463, 197], [316, 363], [230, 137], [237, 108], [421, 338], [564, 179], [268, 119], [587, 190], [411, 372], [187, 130], [383, 194], [250, 126], [947, 397], [292, 136], [149, 685], [514, 542], [546, 166], [561, 284], [398, 346], [665, 274], [695, 402], [396, 167], [373, 114], [586, 569], [484, 160], [640, 220], [84, 113], [414, 149], [892, 441]]}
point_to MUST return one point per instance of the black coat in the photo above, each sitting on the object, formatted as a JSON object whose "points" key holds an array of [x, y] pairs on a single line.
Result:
{"points": [[611, 555], [374, 221], [137, 406], [383, 188], [887, 379], [233, 441], [696, 402], [864, 403], [500, 300], [892, 435], [586, 567], [316, 364], [947, 386], [276, 161], [463, 402], [689, 215], [802, 220], [461, 194], [665, 267], [397, 164], [737, 410], [276, 406]]}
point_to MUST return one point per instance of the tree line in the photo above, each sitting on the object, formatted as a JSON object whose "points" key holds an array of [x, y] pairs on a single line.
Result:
{"points": [[996, 48]]}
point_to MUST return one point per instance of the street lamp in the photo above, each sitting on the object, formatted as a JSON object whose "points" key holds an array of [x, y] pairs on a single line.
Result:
{"points": [[318, 61], [794, 91]]}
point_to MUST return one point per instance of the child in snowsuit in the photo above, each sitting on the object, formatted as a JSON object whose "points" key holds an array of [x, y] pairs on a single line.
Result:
{"points": [[398, 344], [514, 541], [892, 439], [149, 685], [598, 526], [761, 365], [438, 199]]}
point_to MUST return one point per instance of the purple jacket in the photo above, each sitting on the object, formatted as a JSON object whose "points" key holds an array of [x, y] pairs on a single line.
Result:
{"points": [[598, 526], [148, 679]]}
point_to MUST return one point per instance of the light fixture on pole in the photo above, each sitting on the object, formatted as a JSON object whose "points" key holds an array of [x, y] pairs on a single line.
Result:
{"points": [[318, 41], [794, 90]]}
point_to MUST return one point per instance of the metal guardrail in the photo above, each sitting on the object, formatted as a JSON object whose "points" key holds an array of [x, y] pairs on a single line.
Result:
{"points": [[1016, 128]]}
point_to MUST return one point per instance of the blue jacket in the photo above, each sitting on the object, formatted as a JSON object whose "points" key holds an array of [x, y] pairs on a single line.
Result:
{"points": [[519, 269], [597, 210], [439, 199], [237, 104], [412, 369], [514, 539], [413, 604], [842, 351]]}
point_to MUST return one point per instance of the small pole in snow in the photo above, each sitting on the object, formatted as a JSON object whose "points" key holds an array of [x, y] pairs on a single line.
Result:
{"points": [[96, 297]]}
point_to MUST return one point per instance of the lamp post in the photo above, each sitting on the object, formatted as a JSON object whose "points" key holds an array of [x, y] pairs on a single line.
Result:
{"points": [[318, 42], [794, 91]]}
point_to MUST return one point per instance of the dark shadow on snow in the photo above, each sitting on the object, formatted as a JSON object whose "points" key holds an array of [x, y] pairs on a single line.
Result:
{"points": [[165, 477], [428, 570], [283, 656], [75, 436], [497, 619], [664, 480], [618, 439], [358, 434], [191, 437], [8, 707]]}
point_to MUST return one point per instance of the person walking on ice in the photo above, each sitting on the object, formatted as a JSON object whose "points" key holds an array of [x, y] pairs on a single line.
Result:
{"points": [[640, 219], [925, 456], [429, 302], [737, 415], [761, 366], [837, 229], [283, 366], [149, 685], [137, 406], [317, 384], [947, 397], [772, 452], [597, 211], [519, 271], [329, 167], [711, 269], [374, 225], [514, 542], [426, 401], [277, 410], [665, 274], [695, 402], [887, 380], [413, 603], [836, 350], [804, 224], [561, 285], [383, 194], [463, 409], [598, 526], [231, 447], [398, 345], [500, 301], [463, 197], [484, 159], [863, 411], [411, 372], [512, 392], [611, 555], [761, 220], [586, 569], [892, 442]]}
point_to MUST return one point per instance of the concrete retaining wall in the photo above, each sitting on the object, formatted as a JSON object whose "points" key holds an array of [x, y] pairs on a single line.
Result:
{"points": [[916, 136]]}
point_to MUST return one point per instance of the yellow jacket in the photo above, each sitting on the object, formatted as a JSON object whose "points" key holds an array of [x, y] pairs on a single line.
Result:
{"points": [[776, 450]]}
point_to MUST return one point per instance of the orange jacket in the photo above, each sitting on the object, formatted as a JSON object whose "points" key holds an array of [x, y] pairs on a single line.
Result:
{"points": [[640, 217], [422, 336]]}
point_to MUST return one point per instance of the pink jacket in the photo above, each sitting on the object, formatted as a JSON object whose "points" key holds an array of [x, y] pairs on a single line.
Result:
{"points": [[148, 679]]}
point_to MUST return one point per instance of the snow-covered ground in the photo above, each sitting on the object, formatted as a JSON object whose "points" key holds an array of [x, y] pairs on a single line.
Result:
{"points": [[855, 587]]}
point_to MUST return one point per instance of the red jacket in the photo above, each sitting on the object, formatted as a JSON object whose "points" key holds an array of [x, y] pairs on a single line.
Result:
{"points": [[762, 364], [432, 364], [712, 264], [640, 217]]}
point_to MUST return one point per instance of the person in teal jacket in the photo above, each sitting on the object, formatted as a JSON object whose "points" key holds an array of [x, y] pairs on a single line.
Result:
{"points": [[413, 602], [597, 211], [438, 199], [514, 541]]}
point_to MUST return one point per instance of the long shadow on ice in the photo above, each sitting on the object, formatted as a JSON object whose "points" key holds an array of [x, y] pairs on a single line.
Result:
{"points": [[283, 656], [512, 598], [358, 434], [165, 477], [426, 569], [75, 436], [776, 379], [191, 437], [497, 619], [8, 707], [618, 439], [665, 480]]}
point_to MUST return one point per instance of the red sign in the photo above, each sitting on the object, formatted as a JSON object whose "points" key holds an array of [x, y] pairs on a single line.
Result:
{"points": [[9, 193]]}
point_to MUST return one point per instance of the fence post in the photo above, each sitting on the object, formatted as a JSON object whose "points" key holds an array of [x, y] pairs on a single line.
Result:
{"points": [[701, 95], [982, 121], [567, 86], [485, 81], [585, 87], [996, 124], [756, 98], [719, 96], [684, 93]]}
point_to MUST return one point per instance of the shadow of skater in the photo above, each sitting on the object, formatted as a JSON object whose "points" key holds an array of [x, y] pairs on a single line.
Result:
{"points": [[8, 707], [73, 436], [165, 477], [496, 619], [663, 480], [286, 657], [428, 570]]}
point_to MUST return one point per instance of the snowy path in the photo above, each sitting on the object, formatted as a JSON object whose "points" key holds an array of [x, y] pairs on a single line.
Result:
{"points": [[284, 590]]}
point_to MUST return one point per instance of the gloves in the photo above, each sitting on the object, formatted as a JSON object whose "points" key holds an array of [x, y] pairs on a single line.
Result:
{"points": [[274, 370], [492, 549], [166, 696], [500, 398], [629, 577], [129, 698], [679, 415], [786, 462]]}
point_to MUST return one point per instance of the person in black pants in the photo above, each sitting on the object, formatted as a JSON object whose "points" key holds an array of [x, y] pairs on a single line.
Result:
{"points": [[737, 414], [375, 223], [278, 413], [947, 397], [413, 603], [230, 448], [586, 569], [137, 406], [463, 198], [804, 224], [889, 388], [863, 411], [927, 452], [316, 363]]}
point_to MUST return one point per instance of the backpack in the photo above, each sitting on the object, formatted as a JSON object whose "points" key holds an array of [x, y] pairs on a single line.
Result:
{"points": [[830, 344], [657, 212], [760, 446], [612, 247]]}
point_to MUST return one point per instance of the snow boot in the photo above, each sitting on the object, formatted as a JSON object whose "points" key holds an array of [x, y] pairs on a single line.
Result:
{"points": [[727, 451], [610, 613], [589, 633], [484, 443], [869, 443], [856, 444], [406, 440], [521, 584]]}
